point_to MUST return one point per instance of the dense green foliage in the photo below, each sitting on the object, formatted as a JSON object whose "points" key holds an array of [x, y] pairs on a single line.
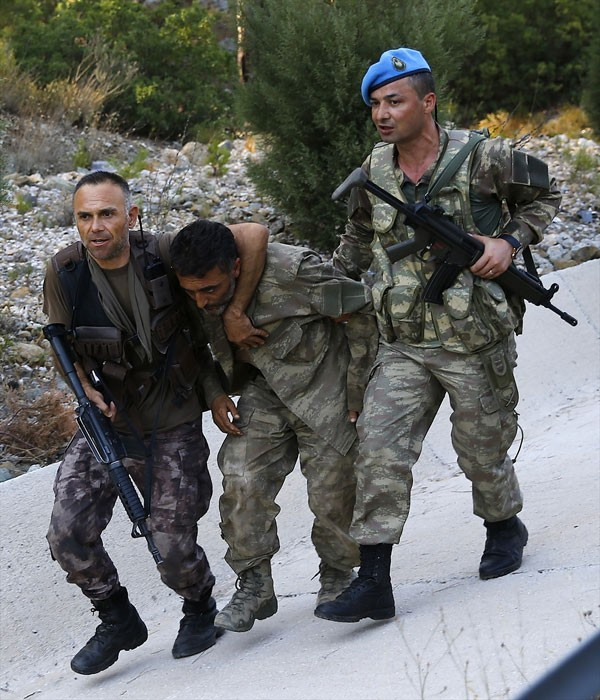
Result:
{"points": [[534, 57], [306, 61], [183, 76], [591, 89], [167, 74]]}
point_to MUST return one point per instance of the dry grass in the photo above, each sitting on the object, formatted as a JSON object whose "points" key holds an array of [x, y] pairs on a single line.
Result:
{"points": [[37, 431], [571, 121]]}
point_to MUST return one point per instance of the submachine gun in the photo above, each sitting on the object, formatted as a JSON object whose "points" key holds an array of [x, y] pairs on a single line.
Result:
{"points": [[458, 249], [101, 437]]}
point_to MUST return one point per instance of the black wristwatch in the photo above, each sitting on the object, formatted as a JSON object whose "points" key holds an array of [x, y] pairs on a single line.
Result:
{"points": [[517, 246]]}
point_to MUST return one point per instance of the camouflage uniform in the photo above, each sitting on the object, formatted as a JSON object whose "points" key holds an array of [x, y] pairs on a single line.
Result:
{"points": [[162, 413], [464, 347], [308, 374]]}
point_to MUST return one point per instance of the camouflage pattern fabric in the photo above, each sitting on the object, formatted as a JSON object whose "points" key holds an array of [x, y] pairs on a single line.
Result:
{"points": [[312, 370], [403, 396], [463, 347], [318, 368], [254, 468], [181, 493], [475, 313]]}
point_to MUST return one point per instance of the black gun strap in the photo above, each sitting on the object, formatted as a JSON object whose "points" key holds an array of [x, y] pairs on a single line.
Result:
{"points": [[529, 264], [452, 168]]}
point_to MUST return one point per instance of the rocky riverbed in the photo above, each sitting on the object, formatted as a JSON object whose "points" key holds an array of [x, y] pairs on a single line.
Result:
{"points": [[173, 184]]}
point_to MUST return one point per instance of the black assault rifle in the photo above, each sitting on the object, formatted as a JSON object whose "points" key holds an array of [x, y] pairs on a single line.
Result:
{"points": [[101, 437], [454, 248]]}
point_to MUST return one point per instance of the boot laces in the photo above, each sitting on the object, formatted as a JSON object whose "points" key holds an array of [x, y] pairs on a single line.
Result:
{"points": [[356, 587], [248, 587]]}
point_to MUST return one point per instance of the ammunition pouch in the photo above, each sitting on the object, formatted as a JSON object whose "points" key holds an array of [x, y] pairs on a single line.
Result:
{"points": [[499, 362], [479, 312]]}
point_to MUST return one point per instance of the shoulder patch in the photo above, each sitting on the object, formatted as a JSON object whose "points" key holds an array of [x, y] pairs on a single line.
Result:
{"points": [[529, 170]]}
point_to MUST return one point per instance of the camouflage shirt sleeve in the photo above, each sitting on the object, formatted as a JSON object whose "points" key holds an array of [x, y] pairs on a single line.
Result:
{"points": [[353, 255], [333, 295], [521, 181]]}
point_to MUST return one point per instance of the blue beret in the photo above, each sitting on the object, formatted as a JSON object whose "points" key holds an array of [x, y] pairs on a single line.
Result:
{"points": [[392, 65]]}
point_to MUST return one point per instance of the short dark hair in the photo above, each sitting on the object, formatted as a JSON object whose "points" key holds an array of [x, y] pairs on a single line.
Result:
{"points": [[202, 245], [423, 83], [97, 177]]}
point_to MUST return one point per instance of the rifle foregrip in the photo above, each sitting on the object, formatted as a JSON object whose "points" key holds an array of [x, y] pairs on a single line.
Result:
{"points": [[127, 493]]}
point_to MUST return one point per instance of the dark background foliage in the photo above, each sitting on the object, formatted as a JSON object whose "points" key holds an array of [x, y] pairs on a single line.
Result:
{"points": [[289, 72]]}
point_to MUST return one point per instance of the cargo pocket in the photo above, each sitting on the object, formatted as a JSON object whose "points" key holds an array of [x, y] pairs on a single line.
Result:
{"points": [[499, 371]]}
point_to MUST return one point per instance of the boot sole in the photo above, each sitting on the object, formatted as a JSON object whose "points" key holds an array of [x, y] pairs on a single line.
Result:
{"points": [[267, 609], [384, 614], [90, 670]]}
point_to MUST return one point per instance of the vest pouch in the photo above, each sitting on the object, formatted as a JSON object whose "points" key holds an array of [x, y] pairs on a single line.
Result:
{"points": [[164, 324], [478, 313], [405, 311], [103, 343]]}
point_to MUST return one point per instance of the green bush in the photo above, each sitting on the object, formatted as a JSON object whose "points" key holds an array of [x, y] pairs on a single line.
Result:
{"points": [[182, 74], [591, 91], [533, 57], [306, 61]]}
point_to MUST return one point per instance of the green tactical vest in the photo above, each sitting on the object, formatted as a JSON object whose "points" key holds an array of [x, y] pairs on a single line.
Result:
{"points": [[475, 313]]}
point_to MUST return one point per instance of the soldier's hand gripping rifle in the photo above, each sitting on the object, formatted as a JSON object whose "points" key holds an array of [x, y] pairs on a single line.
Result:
{"points": [[101, 437], [433, 228]]}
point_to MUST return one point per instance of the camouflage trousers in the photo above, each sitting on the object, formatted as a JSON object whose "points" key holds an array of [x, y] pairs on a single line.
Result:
{"points": [[403, 395], [254, 468], [181, 493]]}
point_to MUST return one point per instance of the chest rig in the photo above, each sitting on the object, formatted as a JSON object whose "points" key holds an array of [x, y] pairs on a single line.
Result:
{"points": [[475, 313], [100, 345]]}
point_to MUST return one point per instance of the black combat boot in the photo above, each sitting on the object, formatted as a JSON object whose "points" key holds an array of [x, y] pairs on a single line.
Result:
{"points": [[370, 594], [121, 629], [197, 631], [503, 551]]}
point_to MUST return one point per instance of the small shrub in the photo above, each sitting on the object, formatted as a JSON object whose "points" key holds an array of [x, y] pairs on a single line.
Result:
{"points": [[23, 204], [139, 163], [82, 157], [218, 156]]}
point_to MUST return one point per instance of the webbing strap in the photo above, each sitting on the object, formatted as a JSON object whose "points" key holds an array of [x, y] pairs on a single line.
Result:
{"points": [[452, 168]]}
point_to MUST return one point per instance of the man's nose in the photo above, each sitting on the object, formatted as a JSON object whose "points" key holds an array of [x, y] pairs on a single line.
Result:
{"points": [[379, 112], [200, 299]]}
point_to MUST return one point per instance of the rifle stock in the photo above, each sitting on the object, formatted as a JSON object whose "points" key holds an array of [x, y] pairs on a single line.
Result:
{"points": [[101, 437], [462, 250]]}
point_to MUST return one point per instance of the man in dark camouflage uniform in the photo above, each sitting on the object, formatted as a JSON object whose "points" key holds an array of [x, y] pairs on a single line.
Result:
{"points": [[302, 398], [130, 328], [463, 347]]}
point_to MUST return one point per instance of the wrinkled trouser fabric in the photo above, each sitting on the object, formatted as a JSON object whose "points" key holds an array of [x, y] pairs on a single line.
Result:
{"points": [[403, 395], [254, 468], [181, 493]]}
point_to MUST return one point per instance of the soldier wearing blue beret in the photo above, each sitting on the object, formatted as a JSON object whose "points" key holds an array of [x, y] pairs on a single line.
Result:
{"points": [[463, 347]]}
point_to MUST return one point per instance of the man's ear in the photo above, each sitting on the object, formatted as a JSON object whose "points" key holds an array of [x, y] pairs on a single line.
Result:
{"points": [[133, 215], [237, 266], [429, 102]]}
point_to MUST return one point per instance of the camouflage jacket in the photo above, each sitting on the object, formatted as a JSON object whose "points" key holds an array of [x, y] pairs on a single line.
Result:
{"points": [[497, 189], [318, 368]]}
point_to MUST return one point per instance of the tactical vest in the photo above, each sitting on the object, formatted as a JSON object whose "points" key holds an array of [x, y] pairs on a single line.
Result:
{"points": [[99, 344], [475, 313]]}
